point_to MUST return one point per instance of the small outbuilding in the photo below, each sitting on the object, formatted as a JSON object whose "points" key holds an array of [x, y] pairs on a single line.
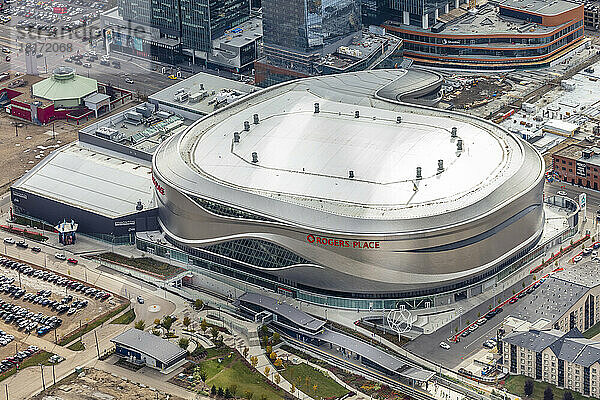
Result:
{"points": [[145, 348]]}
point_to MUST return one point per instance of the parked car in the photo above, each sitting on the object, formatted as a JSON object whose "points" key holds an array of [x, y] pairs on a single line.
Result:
{"points": [[140, 300], [36, 249], [9, 240], [72, 261], [22, 244], [60, 256], [444, 345], [577, 259]]}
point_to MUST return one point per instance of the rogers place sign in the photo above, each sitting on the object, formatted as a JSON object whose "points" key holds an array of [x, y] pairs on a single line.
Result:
{"points": [[353, 244], [159, 188]]}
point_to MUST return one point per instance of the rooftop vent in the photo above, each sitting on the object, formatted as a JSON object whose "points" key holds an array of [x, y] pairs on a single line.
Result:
{"points": [[316, 108], [454, 132], [440, 168], [356, 114], [419, 175], [139, 206], [254, 157], [236, 137], [398, 119], [246, 126], [351, 174], [255, 119], [459, 145]]}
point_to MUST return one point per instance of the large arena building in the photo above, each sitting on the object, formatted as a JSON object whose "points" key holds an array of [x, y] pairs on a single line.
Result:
{"points": [[330, 190]]}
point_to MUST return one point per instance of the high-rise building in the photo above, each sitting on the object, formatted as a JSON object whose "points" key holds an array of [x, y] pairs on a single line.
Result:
{"points": [[314, 37], [176, 30]]}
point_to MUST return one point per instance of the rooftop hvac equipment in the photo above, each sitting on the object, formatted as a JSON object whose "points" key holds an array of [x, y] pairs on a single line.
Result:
{"points": [[350, 174], [459, 145], [144, 110], [255, 116], [198, 96], [398, 119], [163, 114], [108, 133], [181, 97], [134, 116], [236, 137], [254, 157], [419, 174], [440, 167], [454, 132], [246, 126], [316, 108], [356, 114]]}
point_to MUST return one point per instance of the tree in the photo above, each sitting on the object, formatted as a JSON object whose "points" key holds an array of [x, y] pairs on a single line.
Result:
{"points": [[227, 393], [245, 352], [213, 390], [199, 378], [276, 337], [220, 392], [204, 325], [198, 304], [156, 322], [233, 389], [248, 395], [214, 332], [293, 388], [278, 363], [268, 349], [264, 331], [567, 395], [548, 393], [254, 361], [141, 324], [277, 379], [268, 369], [187, 321], [183, 343], [528, 387], [167, 322], [273, 356]]}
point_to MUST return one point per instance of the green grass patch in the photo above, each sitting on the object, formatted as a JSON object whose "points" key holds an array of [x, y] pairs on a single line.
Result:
{"points": [[593, 331], [233, 371], [76, 334], [143, 263], [515, 385], [306, 377], [125, 318], [76, 346], [38, 358]]}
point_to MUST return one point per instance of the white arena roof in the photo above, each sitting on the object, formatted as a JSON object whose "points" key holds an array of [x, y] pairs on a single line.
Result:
{"points": [[92, 179], [305, 158]]}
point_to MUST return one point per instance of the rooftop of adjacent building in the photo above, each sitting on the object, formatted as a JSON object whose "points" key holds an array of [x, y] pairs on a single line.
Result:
{"points": [[550, 301], [64, 84], [242, 34], [486, 20], [92, 179], [205, 93], [584, 273], [570, 346], [576, 152], [541, 7]]}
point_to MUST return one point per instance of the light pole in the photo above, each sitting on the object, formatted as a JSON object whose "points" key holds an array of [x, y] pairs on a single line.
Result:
{"points": [[43, 382]]}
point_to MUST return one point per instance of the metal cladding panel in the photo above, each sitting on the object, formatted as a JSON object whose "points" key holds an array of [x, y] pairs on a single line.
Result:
{"points": [[352, 253]]}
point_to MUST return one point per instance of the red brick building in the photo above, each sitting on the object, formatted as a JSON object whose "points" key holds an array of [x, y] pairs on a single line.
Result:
{"points": [[579, 165]]}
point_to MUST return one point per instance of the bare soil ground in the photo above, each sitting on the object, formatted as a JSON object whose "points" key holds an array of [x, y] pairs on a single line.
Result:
{"points": [[95, 384]]}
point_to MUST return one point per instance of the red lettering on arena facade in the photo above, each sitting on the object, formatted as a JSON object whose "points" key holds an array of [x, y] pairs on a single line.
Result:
{"points": [[332, 242], [160, 189]]}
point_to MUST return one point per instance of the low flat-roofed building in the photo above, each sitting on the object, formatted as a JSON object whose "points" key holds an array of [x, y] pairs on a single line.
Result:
{"points": [[200, 94], [109, 195], [143, 347], [578, 164], [564, 359]]}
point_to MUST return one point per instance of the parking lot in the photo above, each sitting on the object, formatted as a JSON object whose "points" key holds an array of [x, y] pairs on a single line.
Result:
{"points": [[52, 18], [36, 301]]}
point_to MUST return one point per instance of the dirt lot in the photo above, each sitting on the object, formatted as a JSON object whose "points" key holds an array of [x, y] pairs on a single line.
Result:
{"points": [[20, 153], [94, 308], [95, 384]]}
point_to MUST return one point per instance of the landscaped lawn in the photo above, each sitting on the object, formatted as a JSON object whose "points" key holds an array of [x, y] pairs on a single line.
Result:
{"points": [[125, 318], [38, 358], [515, 383], [593, 331], [233, 371], [144, 263], [305, 377]]}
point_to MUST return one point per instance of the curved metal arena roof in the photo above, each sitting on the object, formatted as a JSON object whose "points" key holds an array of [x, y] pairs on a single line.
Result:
{"points": [[305, 158]]}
